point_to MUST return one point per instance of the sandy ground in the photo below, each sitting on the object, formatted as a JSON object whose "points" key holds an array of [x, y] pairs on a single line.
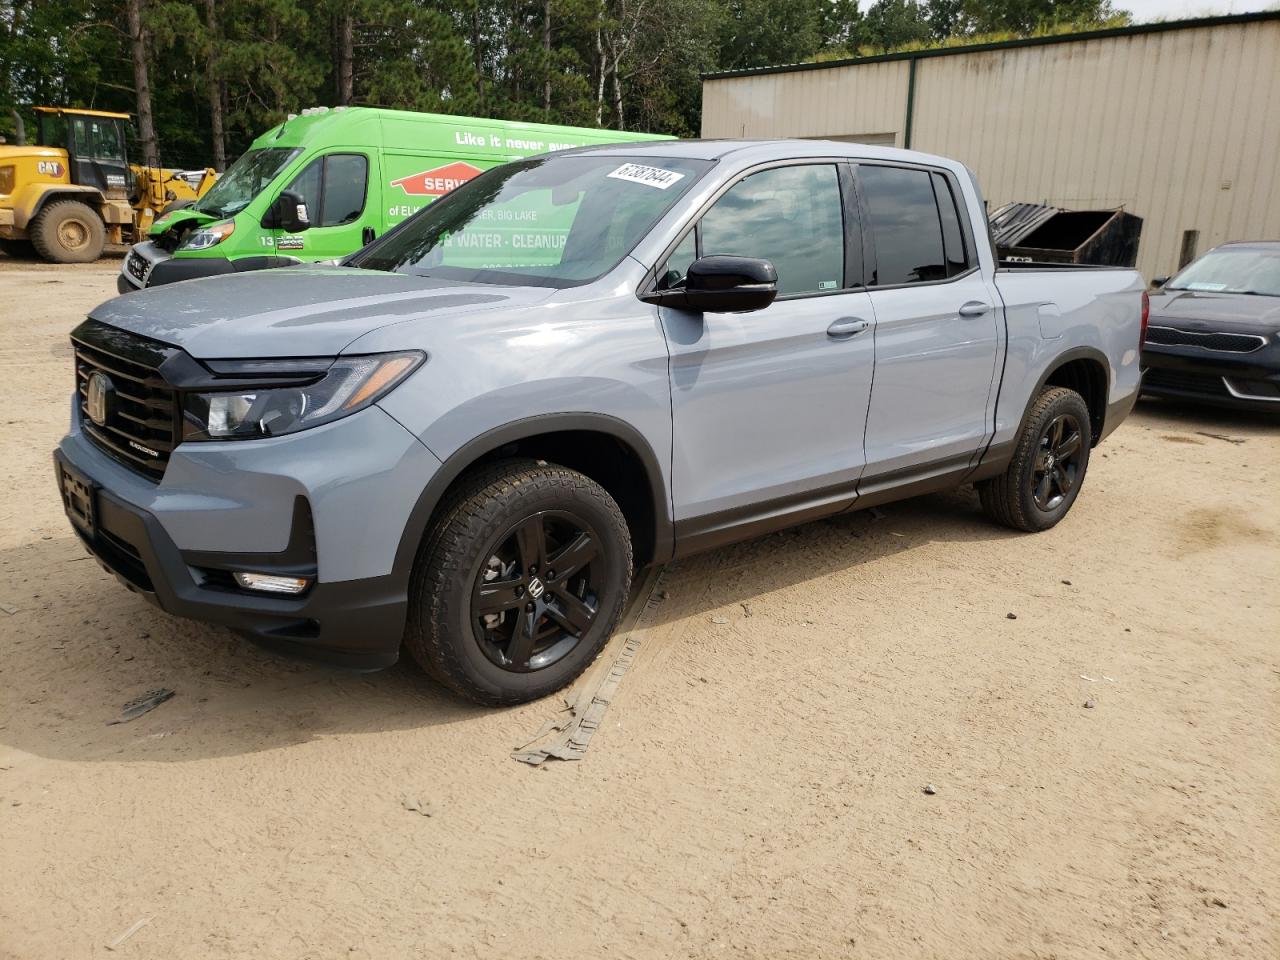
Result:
{"points": [[757, 788]]}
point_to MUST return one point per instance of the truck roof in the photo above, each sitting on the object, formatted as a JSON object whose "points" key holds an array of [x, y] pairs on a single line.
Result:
{"points": [[407, 130], [757, 150]]}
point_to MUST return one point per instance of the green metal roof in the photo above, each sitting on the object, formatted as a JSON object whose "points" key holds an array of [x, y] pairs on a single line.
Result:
{"points": [[1130, 31]]}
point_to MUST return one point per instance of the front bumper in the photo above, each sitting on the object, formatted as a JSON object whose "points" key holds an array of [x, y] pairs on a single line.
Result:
{"points": [[1248, 381], [289, 510]]}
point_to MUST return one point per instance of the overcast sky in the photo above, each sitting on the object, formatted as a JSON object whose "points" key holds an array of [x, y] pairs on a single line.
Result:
{"points": [[1144, 10]]}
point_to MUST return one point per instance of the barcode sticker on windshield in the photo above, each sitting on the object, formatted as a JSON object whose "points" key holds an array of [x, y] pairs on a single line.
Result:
{"points": [[649, 176]]}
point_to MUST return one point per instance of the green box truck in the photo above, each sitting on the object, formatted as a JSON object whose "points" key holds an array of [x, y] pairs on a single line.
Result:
{"points": [[325, 183]]}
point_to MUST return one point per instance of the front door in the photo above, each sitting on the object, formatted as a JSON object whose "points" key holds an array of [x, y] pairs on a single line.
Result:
{"points": [[937, 329], [96, 151], [336, 190], [768, 407]]}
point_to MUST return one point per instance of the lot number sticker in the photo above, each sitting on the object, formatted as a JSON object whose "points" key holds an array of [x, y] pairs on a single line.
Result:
{"points": [[649, 176]]}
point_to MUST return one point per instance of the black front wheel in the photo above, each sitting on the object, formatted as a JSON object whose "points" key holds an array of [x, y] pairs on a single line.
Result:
{"points": [[519, 583], [1048, 466]]}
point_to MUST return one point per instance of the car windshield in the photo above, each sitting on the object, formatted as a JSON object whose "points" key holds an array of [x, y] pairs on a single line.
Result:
{"points": [[552, 221], [246, 178], [1240, 270]]}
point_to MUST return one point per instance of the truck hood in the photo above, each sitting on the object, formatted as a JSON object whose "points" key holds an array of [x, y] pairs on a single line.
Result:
{"points": [[1199, 310], [177, 218], [295, 311]]}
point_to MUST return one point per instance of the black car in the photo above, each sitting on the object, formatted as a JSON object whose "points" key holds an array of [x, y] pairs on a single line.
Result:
{"points": [[1214, 333]]}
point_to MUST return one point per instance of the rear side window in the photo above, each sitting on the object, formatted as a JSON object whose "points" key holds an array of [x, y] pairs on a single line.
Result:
{"points": [[905, 225], [790, 216], [953, 246], [334, 188]]}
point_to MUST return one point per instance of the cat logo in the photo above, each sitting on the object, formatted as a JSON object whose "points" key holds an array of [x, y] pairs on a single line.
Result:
{"points": [[50, 168], [437, 181]]}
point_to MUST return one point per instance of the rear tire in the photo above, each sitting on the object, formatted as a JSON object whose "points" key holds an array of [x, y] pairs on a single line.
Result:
{"points": [[1048, 466], [495, 547], [68, 231]]}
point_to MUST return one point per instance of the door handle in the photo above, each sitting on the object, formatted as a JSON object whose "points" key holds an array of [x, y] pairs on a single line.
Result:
{"points": [[846, 327], [367, 236], [974, 308]]}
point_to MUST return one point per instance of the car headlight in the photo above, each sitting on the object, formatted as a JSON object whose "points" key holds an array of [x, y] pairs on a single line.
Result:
{"points": [[209, 236], [345, 386]]}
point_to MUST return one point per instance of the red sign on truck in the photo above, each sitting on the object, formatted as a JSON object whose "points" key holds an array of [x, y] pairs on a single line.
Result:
{"points": [[438, 180]]}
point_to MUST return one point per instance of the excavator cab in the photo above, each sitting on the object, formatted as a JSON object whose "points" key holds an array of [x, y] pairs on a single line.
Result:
{"points": [[95, 144]]}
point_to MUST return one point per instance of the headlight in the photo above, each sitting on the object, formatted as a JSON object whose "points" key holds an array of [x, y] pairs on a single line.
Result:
{"points": [[348, 384], [209, 236]]}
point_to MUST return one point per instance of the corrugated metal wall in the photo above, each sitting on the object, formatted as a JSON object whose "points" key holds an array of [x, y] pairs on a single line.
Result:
{"points": [[1181, 127]]}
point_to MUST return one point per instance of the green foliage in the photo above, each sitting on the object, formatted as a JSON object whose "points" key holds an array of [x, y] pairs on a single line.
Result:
{"points": [[633, 64]]}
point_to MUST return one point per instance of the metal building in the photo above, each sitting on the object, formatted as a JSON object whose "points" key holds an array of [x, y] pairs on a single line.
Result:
{"points": [[1177, 122]]}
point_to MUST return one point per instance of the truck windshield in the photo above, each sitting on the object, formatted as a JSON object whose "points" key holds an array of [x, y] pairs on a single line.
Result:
{"points": [[246, 178], [1240, 270], [551, 221]]}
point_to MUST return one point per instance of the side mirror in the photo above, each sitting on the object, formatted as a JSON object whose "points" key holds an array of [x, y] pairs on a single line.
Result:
{"points": [[723, 284], [289, 213], [1159, 282]]}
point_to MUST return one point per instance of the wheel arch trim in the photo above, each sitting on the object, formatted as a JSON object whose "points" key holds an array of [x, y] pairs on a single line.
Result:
{"points": [[453, 466]]}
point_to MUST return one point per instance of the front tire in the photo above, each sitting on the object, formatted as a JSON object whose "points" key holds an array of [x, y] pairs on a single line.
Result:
{"points": [[519, 583], [1048, 466], [68, 231]]}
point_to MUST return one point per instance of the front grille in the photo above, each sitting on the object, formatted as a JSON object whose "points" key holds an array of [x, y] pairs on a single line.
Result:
{"points": [[1160, 378], [1224, 342], [140, 424], [136, 264]]}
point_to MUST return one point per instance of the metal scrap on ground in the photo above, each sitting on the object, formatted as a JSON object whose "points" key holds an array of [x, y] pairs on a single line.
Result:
{"points": [[143, 704], [582, 716]]}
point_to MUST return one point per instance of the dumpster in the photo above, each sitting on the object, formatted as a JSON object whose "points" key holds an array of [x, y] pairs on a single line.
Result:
{"points": [[1036, 232]]}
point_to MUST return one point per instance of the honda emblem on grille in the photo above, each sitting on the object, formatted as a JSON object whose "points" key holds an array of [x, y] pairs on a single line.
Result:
{"points": [[97, 397]]}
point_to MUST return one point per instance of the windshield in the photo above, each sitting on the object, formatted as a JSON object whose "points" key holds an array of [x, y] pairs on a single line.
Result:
{"points": [[1233, 270], [246, 178], [552, 221]]}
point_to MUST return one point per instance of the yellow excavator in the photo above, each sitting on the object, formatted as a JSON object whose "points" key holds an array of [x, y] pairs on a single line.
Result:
{"points": [[75, 189]]}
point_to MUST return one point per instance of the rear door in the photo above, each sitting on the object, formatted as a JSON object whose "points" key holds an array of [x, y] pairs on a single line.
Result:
{"points": [[336, 189], [768, 407], [936, 343]]}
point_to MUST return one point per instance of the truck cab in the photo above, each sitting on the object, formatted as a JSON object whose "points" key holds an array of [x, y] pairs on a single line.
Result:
{"points": [[327, 182]]}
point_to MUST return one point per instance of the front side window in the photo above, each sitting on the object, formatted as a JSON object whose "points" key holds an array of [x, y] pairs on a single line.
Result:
{"points": [[244, 180], [791, 216], [554, 221], [904, 224], [682, 257], [97, 138], [333, 188]]}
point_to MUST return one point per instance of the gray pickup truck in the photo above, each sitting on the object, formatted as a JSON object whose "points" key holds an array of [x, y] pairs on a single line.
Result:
{"points": [[464, 438]]}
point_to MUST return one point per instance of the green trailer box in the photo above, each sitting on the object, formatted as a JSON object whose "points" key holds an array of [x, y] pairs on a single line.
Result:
{"points": [[348, 175]]}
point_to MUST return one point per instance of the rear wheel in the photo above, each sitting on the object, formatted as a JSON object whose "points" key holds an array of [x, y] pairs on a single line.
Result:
{"points": [[1048, 466], [520, 582], [68, 231]]}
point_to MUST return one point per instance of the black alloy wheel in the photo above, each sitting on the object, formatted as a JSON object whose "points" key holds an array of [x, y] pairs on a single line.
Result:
{"points": [[535, 596], [1047, 468], [1057, 466], [519, 581]]}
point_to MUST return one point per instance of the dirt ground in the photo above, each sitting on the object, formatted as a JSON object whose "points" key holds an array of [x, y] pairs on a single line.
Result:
{"points": [[757, 788]]}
